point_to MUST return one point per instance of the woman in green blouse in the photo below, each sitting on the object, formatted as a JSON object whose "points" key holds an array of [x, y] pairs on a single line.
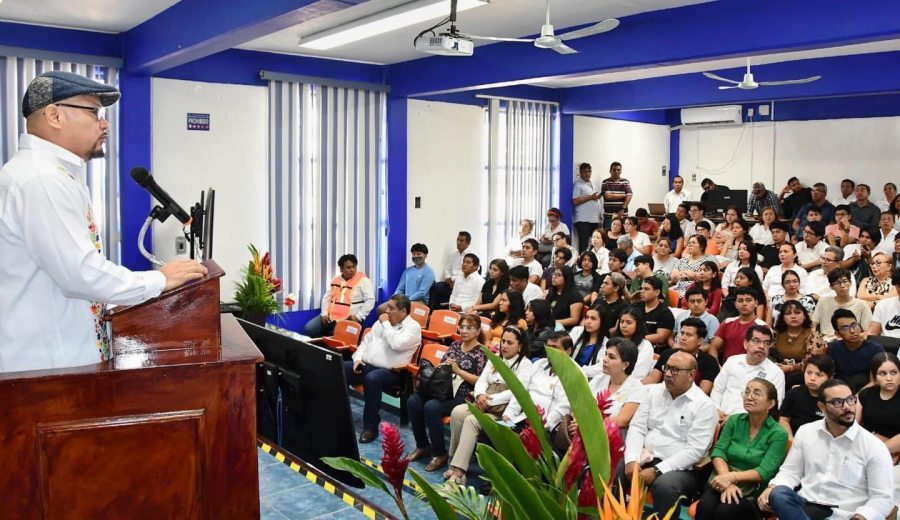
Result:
{"points": [[750, 449]]}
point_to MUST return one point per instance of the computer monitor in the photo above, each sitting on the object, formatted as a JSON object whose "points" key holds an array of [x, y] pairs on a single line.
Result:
{"points": [[206, 239], [302, 402], [717, 201]]}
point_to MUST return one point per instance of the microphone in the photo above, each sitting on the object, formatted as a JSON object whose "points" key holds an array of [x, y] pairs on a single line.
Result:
{"points": [[143, 177]]}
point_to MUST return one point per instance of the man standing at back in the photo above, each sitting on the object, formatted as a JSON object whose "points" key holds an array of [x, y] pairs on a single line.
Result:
{"points": [[54, 279], [452, 269], [616, 193], [677, 196], [586, 201]]}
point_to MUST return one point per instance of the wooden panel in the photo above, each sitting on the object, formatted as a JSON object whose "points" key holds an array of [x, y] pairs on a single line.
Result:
{"points": [[145, 466]]}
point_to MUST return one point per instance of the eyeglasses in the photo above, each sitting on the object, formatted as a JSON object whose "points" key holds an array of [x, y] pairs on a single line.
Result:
{"points": [[762, 342], [841, 282], [850, 328], [99, 112], [880, 262], [827, 260], [675, 370], [757, 394], [841, 402]]}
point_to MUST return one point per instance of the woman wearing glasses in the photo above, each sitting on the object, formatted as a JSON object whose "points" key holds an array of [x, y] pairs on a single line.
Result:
{"points": [[748, 453], [877, 408], [878, 287]]}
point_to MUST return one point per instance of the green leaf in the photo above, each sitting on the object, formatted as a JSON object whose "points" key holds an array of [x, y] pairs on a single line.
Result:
{"points": [[553, 500], [512, 487], [584, 408], [524, 399], [359, 470], [442, 510], [507, 442]]}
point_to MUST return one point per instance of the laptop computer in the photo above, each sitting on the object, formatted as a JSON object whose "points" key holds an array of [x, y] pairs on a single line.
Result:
{"points": [[656, 209]]}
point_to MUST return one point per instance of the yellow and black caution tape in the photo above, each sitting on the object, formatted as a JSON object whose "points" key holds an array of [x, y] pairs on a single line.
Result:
{"points": [[330, 485], [410, 486]]}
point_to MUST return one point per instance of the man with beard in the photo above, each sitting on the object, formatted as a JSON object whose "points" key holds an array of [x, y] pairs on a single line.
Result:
{"points": [[843, 470], [54, 280]]}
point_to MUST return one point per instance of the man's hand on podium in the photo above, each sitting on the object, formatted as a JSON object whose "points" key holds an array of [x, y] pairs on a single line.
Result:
{"points": [[179, 272]]}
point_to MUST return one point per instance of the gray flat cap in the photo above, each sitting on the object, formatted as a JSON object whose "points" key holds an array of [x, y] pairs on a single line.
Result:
{"points": [[53, 86]]}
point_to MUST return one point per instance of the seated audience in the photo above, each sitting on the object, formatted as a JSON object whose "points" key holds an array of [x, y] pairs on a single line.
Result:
{"points": [[496, 284], [812, 247], [617, 261], [886, 318], [739, 232], [672, 233], [640, 241], [790, 282], [467, 285], [761, 199], [741, 368], [730, 336], [857, 256], [761, 232], [842, 232], [510, 312], [686, 270], [391, 343], [587, 279], [794, 337], [540, 325], [625, 244], [519, 280], [587, 339], [350, 296], [695, 213], [890, 194], [724, 228], [840, 283], [811, 214], [847, 195], [771, 252], [843, 471], [530, 261], [852, 353], [544, 389], [491, 397], [689, 341], [565, 302], [560, 258], [663, 259], [787, 255], [514, 248], [554, 225], [655, 314], [817, 284], [746, 257], [452, 269], [631, 328], [863, 212], [878, 406], [611, 302], [616, 230], [426, 416], [748, 278], [643, 269], [560, 242], [671, 431], [417, 279], [887, 233], [708, 279], [799, 406], [600, 251], [646, 224], [748, 453], [878, 287], [696, 302]]}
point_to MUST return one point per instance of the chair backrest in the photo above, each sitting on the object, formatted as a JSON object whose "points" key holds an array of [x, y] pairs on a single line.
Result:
{"points": [[419, 312], [485, 325], [433, 352], [443, 321], [673, 298], [347, 331]]}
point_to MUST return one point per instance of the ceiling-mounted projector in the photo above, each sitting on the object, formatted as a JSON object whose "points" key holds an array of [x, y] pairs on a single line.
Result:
{"points": [[445, 44]]}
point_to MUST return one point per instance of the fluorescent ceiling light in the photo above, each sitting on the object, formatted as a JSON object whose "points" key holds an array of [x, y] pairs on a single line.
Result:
{"points": [[385, 22]]}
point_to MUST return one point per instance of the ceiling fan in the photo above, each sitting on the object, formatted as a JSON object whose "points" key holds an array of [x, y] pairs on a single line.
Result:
{"points": [[549, 40], [748, 83]]}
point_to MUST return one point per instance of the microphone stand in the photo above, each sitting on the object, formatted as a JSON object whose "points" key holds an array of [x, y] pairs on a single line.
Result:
{"points": [[156, 213]]}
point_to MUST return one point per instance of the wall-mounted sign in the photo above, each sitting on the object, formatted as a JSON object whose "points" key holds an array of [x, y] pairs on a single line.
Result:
{"points": [[198, 122]]}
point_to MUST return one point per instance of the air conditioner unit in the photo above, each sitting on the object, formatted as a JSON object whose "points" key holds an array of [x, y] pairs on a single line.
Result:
{"points": [[708, 116]]}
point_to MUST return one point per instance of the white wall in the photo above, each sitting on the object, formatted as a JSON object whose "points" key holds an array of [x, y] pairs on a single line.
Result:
{"points": [[231, 157], [828, 151], [445, 167], [642, 148]]}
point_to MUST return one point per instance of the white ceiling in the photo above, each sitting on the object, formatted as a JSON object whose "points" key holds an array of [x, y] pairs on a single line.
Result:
{"points": [[113, 16], [713, 65], [506, 18]]}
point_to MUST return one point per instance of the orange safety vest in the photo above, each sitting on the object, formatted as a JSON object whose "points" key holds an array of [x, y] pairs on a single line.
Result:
{"points": [[341, 291]]}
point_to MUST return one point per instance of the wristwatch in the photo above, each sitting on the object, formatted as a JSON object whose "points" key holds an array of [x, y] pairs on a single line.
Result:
{"points": [[657, 473]]}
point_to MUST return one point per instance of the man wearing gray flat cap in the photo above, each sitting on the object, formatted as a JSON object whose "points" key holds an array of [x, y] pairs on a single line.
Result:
{"points": [[761, 198], [54, 280]]}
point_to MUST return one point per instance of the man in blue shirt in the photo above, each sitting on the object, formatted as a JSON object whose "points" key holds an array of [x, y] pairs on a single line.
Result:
{"points": [[418, 278], [852, 355]]}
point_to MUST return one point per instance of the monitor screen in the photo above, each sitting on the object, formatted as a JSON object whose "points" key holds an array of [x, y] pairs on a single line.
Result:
{"points": [[206, 238], [717, 201]]}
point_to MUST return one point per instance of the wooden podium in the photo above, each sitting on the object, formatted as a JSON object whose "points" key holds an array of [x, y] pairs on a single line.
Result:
{"points": [[164, 429]]}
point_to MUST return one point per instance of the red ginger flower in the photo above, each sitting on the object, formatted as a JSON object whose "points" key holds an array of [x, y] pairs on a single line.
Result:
{"points": [[577, 460], [616, 444], [604, 401], [530, 440], [393, 462], [587, 496]]}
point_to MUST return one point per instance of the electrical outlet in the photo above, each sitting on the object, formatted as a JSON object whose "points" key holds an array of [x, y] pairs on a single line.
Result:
{"points": [[180, 246], [663, 171], [749, 112]]}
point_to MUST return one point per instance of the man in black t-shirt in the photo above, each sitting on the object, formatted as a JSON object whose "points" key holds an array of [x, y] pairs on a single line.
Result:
{"points": [[658, 318], [693, 332], [779, 230]]}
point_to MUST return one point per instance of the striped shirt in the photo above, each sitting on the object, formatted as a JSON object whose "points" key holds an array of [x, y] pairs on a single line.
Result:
{"points": [[610, 186]]}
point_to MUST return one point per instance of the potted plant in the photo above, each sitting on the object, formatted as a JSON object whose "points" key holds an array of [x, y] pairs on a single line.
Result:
{"points": [[256, 291]]}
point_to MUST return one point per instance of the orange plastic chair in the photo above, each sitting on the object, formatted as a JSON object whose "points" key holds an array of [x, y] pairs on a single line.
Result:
{"points": [[346, 336], [433, 352], [419, 312], [673, 298], [441, 326]]}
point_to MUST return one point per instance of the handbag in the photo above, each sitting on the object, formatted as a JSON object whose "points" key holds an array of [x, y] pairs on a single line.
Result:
{"points": [[496, 388], [434, 382]]}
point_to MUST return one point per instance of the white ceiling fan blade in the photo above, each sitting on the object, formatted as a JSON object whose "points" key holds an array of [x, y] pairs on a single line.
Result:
{"points": [[597, 28], [710, 75], [498, 39], [791, 81], [562, 48], [726, 87]]}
